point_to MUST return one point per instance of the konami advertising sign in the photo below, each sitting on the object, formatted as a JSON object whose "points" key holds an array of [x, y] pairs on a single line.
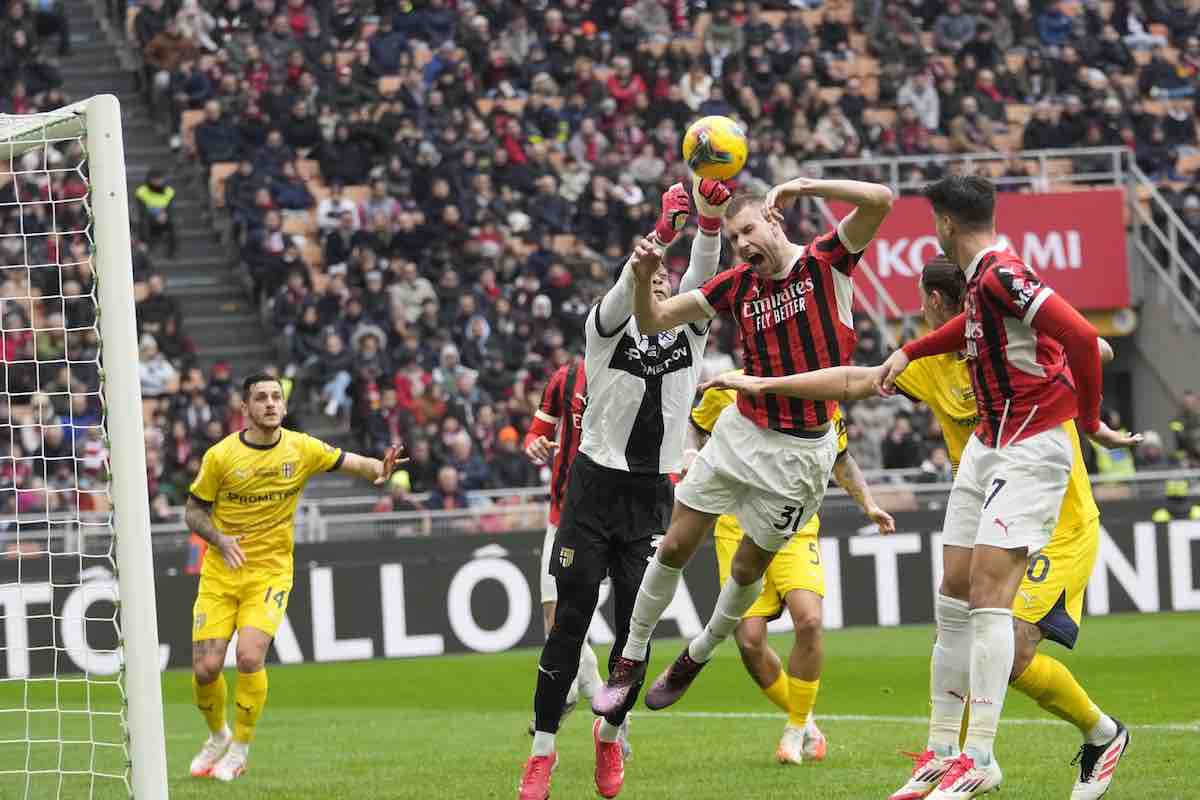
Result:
{"points": [[1074, 240]]}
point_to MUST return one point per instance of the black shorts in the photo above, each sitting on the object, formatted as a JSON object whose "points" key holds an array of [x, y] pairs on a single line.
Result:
{"points": [[609, 522]]}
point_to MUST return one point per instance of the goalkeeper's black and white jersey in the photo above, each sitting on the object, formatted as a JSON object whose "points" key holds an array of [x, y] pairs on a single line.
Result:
{"points": [[640, 388]]}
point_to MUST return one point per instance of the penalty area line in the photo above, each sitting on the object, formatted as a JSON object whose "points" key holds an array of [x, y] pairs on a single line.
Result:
{"points": [[1173, 727]]}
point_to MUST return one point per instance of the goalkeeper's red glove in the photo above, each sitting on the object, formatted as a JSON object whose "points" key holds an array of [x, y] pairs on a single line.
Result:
{"points": [[675, 208], [711, 199]]}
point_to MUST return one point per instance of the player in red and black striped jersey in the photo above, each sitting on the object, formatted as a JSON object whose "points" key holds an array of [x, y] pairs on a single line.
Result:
{"points": [[1034, 364], [561, 408], [768, 459]]}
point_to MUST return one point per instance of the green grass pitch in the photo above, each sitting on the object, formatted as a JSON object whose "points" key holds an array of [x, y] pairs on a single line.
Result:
{"points": [[454, 727]]}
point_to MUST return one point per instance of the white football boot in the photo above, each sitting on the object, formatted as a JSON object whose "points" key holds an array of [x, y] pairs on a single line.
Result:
{"points": [[965, 780], [815, 745], [928, 770], [214, 747], [1098, 764], [233, 763], [791, 746]]}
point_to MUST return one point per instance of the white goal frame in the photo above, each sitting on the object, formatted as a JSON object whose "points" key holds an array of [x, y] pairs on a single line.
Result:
{"points": [[99, 118]]}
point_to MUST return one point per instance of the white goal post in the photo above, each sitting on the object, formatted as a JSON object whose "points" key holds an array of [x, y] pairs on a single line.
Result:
{"points": [[109, 505]]}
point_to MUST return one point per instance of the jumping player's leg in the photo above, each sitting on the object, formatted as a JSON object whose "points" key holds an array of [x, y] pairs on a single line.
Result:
{"points": [[688, 529], [745, 583]]}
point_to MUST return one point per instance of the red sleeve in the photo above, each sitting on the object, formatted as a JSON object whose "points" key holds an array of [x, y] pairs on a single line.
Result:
{"points": [[1017, 289], [539, 427], [950, 338], [552, 400], [1059, 320], [720, 289], [829, 249]]}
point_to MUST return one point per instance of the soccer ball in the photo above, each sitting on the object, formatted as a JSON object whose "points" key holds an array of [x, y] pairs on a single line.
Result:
{"points": [[715, 147]]}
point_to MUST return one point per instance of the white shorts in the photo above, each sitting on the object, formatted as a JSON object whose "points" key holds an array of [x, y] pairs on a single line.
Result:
{"points": [[1009, 497], [548, 583], [773, 483]]}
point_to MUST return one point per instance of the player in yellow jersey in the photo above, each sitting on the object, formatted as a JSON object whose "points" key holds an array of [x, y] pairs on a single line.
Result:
{"points": [[242, 503], [1049, 603], [795, 580]]}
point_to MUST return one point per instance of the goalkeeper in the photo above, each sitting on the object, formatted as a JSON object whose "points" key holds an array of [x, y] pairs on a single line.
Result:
{"points": [[243, 503]]}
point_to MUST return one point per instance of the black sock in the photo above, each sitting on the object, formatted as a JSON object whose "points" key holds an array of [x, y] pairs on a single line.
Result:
{"points": [[559, 661]]}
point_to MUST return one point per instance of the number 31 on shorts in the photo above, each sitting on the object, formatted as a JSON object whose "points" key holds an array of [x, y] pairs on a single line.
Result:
{"points": [[790, 518]]}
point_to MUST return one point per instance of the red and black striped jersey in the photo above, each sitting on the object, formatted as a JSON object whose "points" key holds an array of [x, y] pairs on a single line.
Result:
{"points": [[798, 323], [563, 401], [1022, 383]]}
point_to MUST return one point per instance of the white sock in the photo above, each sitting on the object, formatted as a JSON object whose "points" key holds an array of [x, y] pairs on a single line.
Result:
{"points": [[543, 743], [949, 673], [1103, 731], [992, 650], [608, 731], [240, 747], [653, 597], [573, 692], [733, 602], [589, 672], [810, 727]]}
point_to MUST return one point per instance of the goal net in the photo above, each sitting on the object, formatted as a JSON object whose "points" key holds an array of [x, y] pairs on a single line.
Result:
{"points": [[80, 700]]}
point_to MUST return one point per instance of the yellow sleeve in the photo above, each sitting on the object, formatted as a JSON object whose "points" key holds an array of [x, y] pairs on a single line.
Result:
{"points": [[207, 485], [714, 401], [320, 457], [839, 423], [914, 381]]}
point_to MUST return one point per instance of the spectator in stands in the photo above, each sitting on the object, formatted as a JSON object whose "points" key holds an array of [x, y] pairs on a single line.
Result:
{"points": [[158, 377], [332, 371], [165, 52], [156, 217], [289, 191], [1186, 427], [919, 93], [953, 29], [723, 40], [988, 97], [157, 308], [447, 495], [216, 138], [332, 209], [1155, 157], [936, 468], [1054, 25], [901, 447], [971, 131]]}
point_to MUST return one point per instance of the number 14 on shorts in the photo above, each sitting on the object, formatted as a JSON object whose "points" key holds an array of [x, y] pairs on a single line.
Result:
{"points": [[277, 598]]}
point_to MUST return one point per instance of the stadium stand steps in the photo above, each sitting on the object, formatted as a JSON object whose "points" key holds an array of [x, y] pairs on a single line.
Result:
{"points": [[217, 314]]}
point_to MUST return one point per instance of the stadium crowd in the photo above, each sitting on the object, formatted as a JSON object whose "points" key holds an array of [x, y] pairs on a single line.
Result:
{"points": [[428, 196]]}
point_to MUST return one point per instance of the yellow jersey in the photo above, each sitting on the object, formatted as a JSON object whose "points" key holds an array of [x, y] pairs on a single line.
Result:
{"points": [[704, 417], [254, 490], [944, 384]]}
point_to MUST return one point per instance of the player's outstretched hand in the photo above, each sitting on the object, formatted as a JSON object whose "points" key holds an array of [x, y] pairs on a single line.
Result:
{"points": [[646, 258], [887, 373], [393, 458], [736, 380], [883, 519], [541, 450], [711, 198], [231, 551], [1109, 439]]}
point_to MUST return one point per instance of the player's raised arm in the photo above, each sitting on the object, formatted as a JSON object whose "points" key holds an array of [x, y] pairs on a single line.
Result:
{"points": [[378, 471], [616, 306], [832, 383], [653, 306], [872, 202], [711, 198]]}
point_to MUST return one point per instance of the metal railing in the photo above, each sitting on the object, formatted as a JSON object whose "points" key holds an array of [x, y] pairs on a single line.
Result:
{"points": [[896, 490], [890, 170], [1163, 242]]}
